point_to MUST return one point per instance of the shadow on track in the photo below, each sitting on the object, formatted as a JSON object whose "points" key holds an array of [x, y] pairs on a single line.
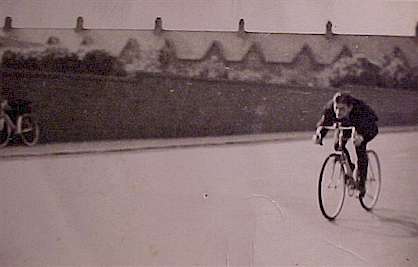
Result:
{"points": [[383, 222]]}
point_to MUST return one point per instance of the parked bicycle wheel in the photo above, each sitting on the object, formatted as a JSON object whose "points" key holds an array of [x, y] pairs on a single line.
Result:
{"points": [[30, 130], [331, 187], [5, 132], [373, 182]]}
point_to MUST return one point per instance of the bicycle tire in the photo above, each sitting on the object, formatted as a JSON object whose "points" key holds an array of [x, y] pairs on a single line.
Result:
{"points": [[29, 130], [337, 182], [374, 176], [5, 132]]}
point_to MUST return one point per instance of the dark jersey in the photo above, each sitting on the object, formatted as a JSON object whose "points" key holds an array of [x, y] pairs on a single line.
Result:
{"points": [[361, 116]]}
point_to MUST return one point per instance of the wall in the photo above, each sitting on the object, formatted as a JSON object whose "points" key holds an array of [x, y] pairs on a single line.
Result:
{"points": [[83, 107]]}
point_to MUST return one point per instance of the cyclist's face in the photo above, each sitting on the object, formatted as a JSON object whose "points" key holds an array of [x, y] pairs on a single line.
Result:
{"points": [[342, 110]]}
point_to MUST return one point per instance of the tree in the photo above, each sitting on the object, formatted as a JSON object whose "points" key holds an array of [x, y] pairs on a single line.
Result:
{"points": [[98, 62]]}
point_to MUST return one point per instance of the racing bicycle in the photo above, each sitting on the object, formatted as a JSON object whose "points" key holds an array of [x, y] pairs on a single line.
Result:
{"points": [[19, 122], [337, 178]]}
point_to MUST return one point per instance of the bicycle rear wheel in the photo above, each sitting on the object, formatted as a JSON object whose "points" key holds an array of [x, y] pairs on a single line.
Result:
{"points": [[373, 182], [331, 187], [30, 130], [5, 132]]}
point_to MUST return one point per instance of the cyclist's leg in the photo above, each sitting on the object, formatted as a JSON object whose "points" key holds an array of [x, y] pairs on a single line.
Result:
{"points": [[363, 160], [362, 163]]}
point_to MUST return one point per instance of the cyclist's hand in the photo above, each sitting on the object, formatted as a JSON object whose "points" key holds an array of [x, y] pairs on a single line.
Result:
{"points": [[358, 139], [316, 138]]}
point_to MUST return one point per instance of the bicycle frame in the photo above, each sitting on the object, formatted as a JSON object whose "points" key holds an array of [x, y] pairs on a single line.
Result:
{"points": [[28, 131], [14, 125], [338, 128]]}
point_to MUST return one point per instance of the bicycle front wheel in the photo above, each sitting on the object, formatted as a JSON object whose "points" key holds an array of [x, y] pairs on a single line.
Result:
{"points": [[331, 187], [30, 130], [373, 182], [5, 132]]}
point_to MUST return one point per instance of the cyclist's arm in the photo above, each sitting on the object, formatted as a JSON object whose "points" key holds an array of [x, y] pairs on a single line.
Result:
{"points": [[326, 120], [367, 128]]}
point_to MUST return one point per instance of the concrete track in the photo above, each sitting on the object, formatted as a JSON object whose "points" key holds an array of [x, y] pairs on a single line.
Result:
{"points": [[248, 204]]}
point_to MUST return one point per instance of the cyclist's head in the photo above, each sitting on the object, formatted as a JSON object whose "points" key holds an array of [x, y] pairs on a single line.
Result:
{"points": [[343, 104]]}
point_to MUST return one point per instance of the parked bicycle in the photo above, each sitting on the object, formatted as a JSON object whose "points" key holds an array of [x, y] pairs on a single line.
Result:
{"points": [[337, 178], [16, 120]]}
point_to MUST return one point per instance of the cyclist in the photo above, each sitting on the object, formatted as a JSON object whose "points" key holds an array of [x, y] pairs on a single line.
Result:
{"points": [[350, 111]]}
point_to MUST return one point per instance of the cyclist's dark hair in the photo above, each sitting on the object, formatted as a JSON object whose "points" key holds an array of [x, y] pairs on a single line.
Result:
{"points": [[343, 98]]}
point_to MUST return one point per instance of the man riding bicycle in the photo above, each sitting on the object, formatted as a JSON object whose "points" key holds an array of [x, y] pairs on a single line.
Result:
{"points": [[350, 111]]}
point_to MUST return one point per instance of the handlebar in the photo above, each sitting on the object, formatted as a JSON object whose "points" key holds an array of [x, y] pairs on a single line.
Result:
{"points": [[339, 131], [337, 126]]}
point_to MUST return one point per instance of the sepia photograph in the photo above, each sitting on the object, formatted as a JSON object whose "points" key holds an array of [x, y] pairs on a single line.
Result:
{"points": [[209, 133]]}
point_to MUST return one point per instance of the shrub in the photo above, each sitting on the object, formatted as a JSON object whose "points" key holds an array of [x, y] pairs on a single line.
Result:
{"points": [[59, 60], [97, 62], [56, 59], [395, 72], [356, 70], [12, 60]]}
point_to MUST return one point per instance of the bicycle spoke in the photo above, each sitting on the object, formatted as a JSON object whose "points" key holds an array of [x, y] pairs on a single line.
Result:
{"points": [[369, 196], [373, 182], [333, 168], [371, 174], [331, 188], [371, 170], [335, 180]]}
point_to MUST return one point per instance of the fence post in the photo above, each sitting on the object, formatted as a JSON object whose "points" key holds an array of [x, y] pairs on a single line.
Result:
{"points": [[80, 24], [241, 28], [328, 31], [158, 26], [8, 24], [416, 31]]}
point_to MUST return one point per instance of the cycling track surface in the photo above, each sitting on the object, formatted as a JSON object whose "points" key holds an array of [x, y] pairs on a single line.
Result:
{"points": [[226, 201]]}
